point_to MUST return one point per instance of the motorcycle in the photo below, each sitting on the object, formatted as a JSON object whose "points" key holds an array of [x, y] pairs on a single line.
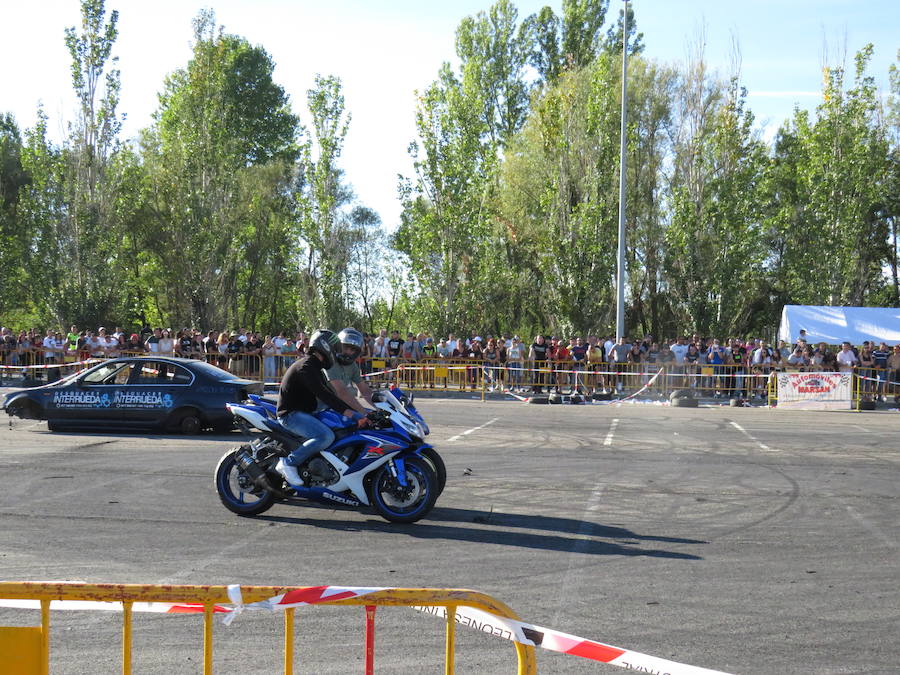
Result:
{"points": [[380, 466], [393, 401]]}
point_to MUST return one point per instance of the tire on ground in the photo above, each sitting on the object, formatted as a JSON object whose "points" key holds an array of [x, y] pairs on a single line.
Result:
{"points": [[684, 402], [539, 400], [188, 421], [681, 394], [867, 405]]}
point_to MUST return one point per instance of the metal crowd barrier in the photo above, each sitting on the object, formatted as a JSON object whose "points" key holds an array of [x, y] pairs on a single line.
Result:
{"points": [[26, 650], [746, 381]]}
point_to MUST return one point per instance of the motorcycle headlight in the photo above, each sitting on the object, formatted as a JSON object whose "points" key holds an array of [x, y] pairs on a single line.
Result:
{"points": [[411, 427]]}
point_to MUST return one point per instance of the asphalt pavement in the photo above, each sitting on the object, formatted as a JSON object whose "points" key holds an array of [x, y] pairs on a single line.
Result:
{"points": [[745, 540]]}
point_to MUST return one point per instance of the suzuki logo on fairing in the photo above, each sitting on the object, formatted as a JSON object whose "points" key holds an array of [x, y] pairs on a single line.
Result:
{"points": [[373, 451], [341, 500], [379, 443]]}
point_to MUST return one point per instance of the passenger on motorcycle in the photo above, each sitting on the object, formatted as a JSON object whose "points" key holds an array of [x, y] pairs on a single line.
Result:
{"points": [[304, 390], [344, 375]]}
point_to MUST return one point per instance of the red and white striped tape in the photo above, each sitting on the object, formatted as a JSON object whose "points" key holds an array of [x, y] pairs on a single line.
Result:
{"points": [[153, 607], [45, 366], [557, 641], [509, 629]]}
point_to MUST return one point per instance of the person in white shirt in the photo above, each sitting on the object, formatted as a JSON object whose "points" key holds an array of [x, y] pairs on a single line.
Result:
{"points": [[761, 356], [451, 342], [679, 349], [515, 359], [94, 346], [166, 343], [54, 346], [107, 343], [846, 359]]}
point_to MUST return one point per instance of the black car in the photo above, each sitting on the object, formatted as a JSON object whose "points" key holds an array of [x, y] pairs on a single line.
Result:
{"points": [[137, 393]]}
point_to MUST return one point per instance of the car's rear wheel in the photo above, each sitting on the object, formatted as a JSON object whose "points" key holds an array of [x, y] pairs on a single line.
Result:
{"points": [[188, 421]]}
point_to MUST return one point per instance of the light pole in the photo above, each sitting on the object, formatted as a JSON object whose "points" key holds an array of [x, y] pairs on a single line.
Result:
{"points": [[620, 266]]}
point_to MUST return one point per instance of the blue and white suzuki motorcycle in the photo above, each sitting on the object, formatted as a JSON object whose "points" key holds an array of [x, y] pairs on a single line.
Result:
{"points": [[382, 467], [399, 404]]}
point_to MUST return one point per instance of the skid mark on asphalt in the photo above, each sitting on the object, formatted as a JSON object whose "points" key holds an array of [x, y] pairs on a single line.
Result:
{"points": [[469, 431], [746, 433]]}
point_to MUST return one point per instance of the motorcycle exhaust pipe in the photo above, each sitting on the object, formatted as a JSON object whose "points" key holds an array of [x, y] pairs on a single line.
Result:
{"points": [[253, 470]]}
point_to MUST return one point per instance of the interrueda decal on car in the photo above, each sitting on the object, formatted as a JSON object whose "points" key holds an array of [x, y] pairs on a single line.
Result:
{"points": [[117, 399]]}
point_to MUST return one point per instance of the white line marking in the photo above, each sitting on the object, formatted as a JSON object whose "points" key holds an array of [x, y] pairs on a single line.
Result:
{"points": [[748, 435], [861, 428], [872, 528], [612, 431], [582, 541], [469, 431]]}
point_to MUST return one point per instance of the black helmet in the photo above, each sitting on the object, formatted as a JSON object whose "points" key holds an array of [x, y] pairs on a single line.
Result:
{"points": [[349, 337], [325, 343]]}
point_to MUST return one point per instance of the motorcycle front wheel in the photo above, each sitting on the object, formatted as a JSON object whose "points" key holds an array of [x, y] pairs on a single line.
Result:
{"points": [[437, 465], [399, 504], [236, 491]]}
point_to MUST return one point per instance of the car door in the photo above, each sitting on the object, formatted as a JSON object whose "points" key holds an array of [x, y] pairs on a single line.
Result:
{"points": [[90, 398], [155, 389]]}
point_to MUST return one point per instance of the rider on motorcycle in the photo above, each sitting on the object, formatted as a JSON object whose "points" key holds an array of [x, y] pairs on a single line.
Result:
{"points": [[304, 390], [345, 373]]}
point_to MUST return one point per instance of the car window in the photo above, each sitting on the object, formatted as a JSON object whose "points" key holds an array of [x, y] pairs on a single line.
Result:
{"points": [[160, 372], [212, 371], [109, 373]]}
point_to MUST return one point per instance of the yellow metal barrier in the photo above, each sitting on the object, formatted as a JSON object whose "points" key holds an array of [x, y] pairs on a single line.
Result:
{"points": [[26, 651]]}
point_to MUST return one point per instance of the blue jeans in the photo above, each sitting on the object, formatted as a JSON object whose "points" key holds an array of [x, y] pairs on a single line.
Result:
{"points": [[318, 435]]}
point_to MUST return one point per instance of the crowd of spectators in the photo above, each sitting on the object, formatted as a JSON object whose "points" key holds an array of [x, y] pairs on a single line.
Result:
{"points": [[233, 350], [572, 363]]}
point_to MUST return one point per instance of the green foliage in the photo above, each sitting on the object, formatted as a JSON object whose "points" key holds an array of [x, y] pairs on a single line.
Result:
{"points": [[219, 163], [832, 197], [228, 212], [14, 180]]}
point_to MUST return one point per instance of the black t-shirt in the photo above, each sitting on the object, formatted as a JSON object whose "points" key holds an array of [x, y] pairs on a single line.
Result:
{"points": [[187, 344], [540, 351], [304, 385], [394, 345]]}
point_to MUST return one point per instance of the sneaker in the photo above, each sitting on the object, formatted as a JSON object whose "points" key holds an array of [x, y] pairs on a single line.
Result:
{"points": [[290, 473]]}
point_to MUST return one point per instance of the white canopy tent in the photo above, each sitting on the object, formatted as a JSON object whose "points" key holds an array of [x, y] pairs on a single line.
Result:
{"points": [[833, 325]]}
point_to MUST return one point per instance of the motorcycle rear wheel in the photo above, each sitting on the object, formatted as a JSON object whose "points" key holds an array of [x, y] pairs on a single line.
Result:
{"points": [[236, 491], [399, 504]]}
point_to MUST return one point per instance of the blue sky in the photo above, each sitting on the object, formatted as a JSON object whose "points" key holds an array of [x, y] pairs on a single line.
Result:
{"points": [[385, 50]]}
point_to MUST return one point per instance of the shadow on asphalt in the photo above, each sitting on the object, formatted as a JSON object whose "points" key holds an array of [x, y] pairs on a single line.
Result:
{"points": [[586, 538]]}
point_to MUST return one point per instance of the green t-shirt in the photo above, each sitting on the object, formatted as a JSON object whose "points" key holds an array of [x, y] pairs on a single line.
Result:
{"points": [[349, 375]]}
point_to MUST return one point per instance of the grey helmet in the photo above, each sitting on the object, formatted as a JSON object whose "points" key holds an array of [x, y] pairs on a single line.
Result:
{"points": [[325, 343], [352, 338]]}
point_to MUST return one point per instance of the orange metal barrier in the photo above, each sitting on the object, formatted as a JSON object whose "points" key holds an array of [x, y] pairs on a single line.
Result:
{"points": [[26, 651]]}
